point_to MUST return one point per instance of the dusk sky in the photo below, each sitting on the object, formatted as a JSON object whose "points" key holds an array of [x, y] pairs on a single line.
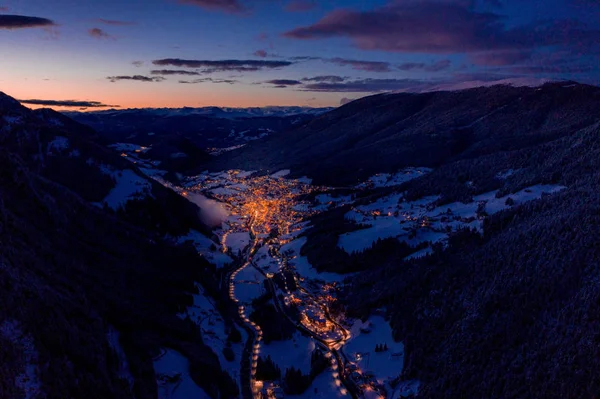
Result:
{"points": [[173, 53]]}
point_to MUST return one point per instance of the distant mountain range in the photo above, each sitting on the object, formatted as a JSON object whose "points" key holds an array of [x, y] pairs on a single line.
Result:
{"points": [[194, 132], [213, 112]]}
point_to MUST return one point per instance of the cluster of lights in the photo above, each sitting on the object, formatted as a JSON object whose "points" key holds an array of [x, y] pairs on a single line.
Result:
{"points": [[265, 204]]}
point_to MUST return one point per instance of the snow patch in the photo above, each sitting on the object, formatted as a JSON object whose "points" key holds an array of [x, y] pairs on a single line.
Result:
{"points": [[394, 179], [207, 248], [123, 371], [129, 186], [173, 378], [59, 144], [204, 313], [28, 380], [281, 173], [361, 348], [237, 241]]}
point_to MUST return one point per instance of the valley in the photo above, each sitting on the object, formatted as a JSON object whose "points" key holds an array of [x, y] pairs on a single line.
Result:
{"points": [[245, 272], [272, 211], [265, 218]]}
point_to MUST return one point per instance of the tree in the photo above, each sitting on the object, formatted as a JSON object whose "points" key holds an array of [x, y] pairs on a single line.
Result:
{"points": [[267, 370]]}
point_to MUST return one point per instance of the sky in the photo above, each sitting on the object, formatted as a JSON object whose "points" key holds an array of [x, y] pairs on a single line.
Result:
{"points": [[93, 54]]}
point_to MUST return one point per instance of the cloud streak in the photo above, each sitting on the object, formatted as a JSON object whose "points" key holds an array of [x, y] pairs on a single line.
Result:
{"points": [[369, 66], [227, 6], [67, 103], [139, 78], [209, 80], [282, 83], [168, 72], [114, 22], [211, 66], [325, 78], [433, 67], [98, 33], [457, 82], [300, 5], [21, 22]]}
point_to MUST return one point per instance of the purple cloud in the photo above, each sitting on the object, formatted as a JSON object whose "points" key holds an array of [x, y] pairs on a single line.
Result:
{"points": [[438, 66], [3, 9], [227, 6], [325, 78], [137, 64], [261, 53], [99, 34], [209, 80], [68, 103], [300, 5], [167, 72], [500, 58], [21, 22], [456, 82], [445, 27], [369, 66], [210, 66], [434, 67], [114, 22], [283, 82], [363, 85], [138, 78]]}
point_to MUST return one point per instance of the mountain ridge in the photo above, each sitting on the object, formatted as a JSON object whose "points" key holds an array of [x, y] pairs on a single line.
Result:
{"points": [[386, 132]]}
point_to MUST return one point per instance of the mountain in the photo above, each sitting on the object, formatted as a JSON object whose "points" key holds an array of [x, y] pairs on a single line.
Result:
{"points": [[181, 138], [90, 288], [386, 132], [212, 112], [464, 222], [507, 310]]}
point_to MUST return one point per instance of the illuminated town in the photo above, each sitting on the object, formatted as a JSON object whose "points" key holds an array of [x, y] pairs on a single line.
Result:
{"points": [[270, 211]]}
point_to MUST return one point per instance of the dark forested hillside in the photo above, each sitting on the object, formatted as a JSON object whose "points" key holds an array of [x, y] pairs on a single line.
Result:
{"points": [[386, 132], [67, 153], [71, 273], [512, 313]]}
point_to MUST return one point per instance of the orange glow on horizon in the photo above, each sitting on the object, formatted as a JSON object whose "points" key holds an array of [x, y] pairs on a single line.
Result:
{"points": [[161, 95]]}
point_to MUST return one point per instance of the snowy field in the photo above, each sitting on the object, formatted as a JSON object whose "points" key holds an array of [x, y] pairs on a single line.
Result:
{"points": [[129, 185], [361, 348], [303, 267], [237, 241], [295, 352], [266, 262], [169, 365], [323, 387], [214, 334], [281, 174], [394, 179], [207, 248], [420, 221], [248, 284]]}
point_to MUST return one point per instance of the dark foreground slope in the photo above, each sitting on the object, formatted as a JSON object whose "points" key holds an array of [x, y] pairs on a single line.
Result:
{"points": [[386, 132], [72, 274]]}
